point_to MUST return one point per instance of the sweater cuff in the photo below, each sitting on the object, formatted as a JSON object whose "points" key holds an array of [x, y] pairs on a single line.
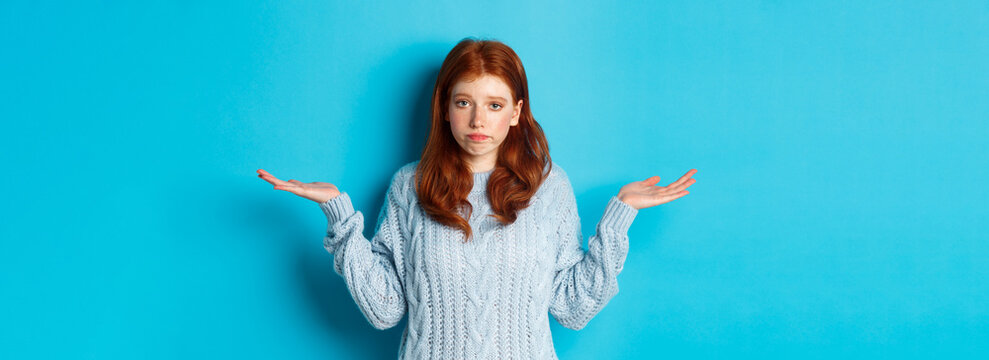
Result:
{"points": [[337, 208], [618, 215]]}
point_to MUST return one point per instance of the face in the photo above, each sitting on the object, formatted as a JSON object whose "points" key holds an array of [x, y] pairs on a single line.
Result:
{"points": [[480, 113]]}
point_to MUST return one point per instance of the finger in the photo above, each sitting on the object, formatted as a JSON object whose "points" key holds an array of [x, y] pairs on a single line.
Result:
{"points": [[264, 174], [680, 181], [683, 178], [652, 180], [683, 185], [271, 179], [267, 178], [678, 195]]}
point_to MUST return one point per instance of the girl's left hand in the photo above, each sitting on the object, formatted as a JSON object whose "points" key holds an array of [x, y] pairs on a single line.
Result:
{"points": [[643, 194]]}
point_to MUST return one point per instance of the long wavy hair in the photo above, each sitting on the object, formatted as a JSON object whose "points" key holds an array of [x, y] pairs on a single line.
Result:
{"points": [[443, 178]]}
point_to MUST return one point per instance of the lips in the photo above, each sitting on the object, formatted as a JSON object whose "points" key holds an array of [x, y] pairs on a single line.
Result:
{"points": [[477, 137]]}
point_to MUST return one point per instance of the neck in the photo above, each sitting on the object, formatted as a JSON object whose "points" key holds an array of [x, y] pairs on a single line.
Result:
{"points": [[480, 165]]}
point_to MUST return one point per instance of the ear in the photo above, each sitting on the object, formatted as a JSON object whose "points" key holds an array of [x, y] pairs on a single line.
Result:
{"points": [[516, 113]]}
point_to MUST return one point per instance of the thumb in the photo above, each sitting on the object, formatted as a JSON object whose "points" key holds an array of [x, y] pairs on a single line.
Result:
{"points": [[652, 180]]}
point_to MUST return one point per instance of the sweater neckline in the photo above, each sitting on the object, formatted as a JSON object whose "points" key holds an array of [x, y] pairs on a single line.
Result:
{"points": [[480, 180], [483, 173]]}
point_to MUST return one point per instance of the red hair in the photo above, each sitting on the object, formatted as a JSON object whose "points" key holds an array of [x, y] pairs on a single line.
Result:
{"points": [[443, 179]]}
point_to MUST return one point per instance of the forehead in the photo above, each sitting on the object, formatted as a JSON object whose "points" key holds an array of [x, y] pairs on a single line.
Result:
{"points": [[485, 85]]}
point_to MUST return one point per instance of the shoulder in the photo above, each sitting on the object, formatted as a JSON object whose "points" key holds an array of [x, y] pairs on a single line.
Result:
{"points": [[403, 180], [557, 183], [406, 172], [557, 177], [557, 194]]}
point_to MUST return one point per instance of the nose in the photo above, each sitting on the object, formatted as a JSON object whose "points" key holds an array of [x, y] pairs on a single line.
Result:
{"points": [[478, 118]]}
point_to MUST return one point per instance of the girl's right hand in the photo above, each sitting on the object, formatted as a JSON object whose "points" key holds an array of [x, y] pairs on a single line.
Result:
{"points": [[319, 192]]}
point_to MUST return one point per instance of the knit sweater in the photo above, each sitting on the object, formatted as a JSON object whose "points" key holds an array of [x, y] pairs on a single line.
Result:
{"points": [[487, 298]]}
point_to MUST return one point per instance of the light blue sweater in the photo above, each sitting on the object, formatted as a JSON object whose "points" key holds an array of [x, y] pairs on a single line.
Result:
{"points": [[487, 298]]}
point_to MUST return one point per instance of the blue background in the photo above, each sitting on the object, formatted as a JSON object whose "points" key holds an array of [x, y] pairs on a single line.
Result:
{"points": [[839, 211]]}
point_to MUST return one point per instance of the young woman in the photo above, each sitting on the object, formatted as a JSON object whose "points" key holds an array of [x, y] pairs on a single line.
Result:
{"points": [[480, 238]]}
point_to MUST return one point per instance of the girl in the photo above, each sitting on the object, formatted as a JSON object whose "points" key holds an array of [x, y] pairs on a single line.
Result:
{"points": [[480, 238]]}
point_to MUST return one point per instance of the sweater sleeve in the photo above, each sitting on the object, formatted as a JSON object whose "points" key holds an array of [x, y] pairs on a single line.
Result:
{"points": [[372, 270], [586, 281]]}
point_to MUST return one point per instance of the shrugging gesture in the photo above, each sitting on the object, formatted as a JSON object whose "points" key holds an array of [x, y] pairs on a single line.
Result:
{"points": [[643, 194], [319, 192]]}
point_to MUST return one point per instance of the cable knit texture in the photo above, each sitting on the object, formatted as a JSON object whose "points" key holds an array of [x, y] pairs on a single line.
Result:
{"points": [[488, 298]]}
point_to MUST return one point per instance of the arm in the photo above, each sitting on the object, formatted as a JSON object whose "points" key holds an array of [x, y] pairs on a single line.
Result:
{"points": [[372, 270], [586, 281]]}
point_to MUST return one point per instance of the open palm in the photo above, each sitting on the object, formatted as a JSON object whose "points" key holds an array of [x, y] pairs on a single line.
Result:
{"points": [[316, 191], [643, 194]]}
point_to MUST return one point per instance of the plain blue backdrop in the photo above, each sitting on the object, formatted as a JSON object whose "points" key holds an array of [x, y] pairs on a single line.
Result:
{"points": [[839, 212]]}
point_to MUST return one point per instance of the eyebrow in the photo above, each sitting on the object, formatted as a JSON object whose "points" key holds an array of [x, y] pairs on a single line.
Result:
{"points": [[489, 97]]}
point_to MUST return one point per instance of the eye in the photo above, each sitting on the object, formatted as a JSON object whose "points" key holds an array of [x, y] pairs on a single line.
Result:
{"points": [[498, 106], [461, 101]]}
